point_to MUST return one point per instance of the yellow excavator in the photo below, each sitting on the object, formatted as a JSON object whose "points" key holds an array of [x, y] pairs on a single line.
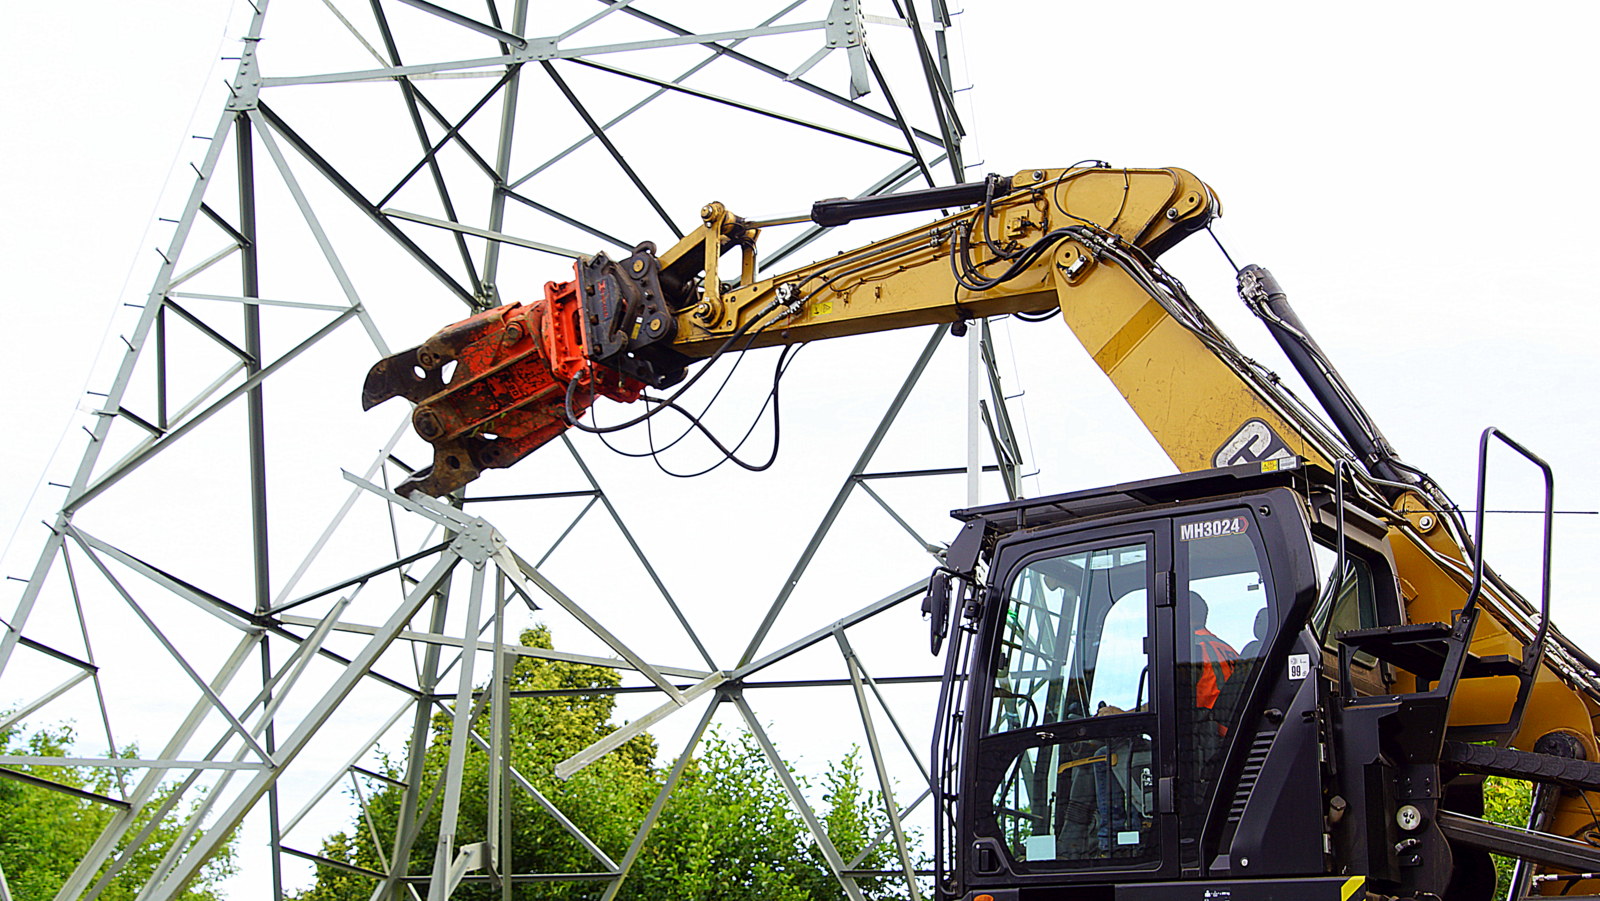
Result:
{"points": [[1283, 673]]}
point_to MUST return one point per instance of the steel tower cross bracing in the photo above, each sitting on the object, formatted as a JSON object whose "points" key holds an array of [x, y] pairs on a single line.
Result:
{"points": [[230, 587]]}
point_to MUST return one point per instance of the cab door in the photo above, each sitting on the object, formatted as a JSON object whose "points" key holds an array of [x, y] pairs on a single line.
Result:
{"points": [[1226, 615], [1072, 776]]}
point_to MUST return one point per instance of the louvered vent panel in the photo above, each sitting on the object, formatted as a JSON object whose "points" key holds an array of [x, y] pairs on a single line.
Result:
{"points": [[1251, 773]]}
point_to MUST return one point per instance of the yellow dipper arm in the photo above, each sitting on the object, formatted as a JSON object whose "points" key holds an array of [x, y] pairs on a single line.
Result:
{"points": [[1078, 239]]}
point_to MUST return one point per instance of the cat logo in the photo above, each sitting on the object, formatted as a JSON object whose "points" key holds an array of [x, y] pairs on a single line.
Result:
{"points": [[1254, 442]]}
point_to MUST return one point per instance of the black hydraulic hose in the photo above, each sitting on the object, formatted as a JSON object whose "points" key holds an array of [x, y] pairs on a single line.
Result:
{"points": [[731, 456], [1269, 302], [572, 386], [1020, 263]]}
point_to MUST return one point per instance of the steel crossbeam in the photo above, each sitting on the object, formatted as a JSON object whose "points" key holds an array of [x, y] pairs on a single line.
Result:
{"points": [[299, 223]]}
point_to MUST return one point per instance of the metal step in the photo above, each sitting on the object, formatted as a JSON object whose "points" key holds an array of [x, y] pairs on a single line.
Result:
{"points": [[1489, 760], [1421, 649]]}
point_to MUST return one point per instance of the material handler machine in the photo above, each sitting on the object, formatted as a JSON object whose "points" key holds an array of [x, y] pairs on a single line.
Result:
{"points": [[1282, 674]]}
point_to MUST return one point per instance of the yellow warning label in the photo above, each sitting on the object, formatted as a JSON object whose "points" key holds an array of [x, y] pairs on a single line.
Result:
{"points": [[1269, 465], [822, 308]]}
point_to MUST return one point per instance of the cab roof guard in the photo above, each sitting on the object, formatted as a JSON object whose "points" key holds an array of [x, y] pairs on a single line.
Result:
{"points": [[1056, 509]]}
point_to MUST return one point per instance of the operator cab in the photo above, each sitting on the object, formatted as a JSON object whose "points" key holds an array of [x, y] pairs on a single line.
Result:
{"points": [[1137, 659]]}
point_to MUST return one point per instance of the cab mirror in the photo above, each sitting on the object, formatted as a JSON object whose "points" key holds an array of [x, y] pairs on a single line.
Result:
{"points": [[936, 607]]}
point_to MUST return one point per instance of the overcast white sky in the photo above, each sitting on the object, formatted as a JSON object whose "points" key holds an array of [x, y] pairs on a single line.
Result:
{"points": [[1417, 177]]}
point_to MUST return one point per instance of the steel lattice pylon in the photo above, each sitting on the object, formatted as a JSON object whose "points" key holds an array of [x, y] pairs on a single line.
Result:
{"points": [[379, 171]]}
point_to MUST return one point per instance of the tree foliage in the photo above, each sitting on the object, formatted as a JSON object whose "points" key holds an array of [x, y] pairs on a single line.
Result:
{"points": [[729, 831], [1506, 801], [45, 833], [731, 834]]}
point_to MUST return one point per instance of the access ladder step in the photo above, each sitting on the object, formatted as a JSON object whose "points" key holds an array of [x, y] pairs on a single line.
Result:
{"points": [[1488, 760], [1421, 649]]}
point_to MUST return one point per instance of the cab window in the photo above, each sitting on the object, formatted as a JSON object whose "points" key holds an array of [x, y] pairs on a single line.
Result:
{"points": [[1074, 642], [1347, 604], [1226, 624]]}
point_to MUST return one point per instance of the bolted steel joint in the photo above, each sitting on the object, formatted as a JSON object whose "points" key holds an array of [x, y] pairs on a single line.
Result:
{"points": [[427, 423], [478, 542]]}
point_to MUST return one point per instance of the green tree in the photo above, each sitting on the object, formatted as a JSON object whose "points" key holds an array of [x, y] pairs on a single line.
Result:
{"points": [[728, 833], [45, 833], [605, 800], [1506, 801]]}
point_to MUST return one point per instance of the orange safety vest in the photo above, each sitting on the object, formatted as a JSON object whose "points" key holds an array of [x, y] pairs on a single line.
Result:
{"points": [[1217, 660]]}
